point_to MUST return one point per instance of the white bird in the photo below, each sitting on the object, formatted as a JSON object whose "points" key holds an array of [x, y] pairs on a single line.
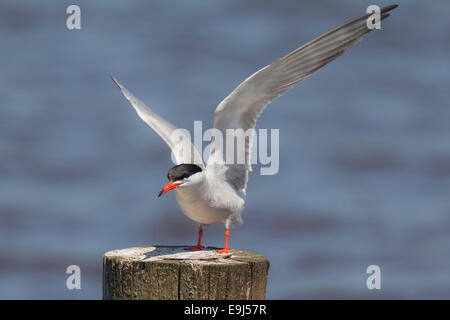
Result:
{"points": [[216, 193]]}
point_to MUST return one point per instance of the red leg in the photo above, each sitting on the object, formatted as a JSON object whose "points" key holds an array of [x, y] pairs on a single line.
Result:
{"points": [[225, 250], [199, 243]]}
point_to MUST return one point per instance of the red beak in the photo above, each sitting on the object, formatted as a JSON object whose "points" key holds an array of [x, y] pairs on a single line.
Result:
{"points": [[169, 186]]}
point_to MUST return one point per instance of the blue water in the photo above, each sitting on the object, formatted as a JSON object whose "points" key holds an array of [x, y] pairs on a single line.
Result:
{"points": [[364, 143]]}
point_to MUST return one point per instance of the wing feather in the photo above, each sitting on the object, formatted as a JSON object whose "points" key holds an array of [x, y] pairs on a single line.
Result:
{"points": [[180, 144], [242, 107]]}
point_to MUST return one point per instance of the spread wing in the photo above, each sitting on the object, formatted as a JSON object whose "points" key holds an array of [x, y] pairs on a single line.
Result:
{"points": [[243, 106], [180, 144]]}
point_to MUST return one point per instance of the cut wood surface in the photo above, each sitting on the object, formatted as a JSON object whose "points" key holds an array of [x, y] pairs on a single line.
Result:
{"points": [[170, 272]]}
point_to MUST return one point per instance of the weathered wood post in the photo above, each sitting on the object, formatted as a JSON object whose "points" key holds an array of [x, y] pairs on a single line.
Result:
{"points": [[163, 272]]}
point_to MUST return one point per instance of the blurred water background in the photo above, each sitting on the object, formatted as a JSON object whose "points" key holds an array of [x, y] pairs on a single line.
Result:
{"points": [[364, 143]]}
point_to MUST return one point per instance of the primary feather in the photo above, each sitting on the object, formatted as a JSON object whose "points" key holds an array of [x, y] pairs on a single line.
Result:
{"points": [[242, 107]]}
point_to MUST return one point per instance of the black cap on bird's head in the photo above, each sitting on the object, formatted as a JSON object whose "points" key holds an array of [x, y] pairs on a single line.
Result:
{"points": [[182, 171], [177, 173]]}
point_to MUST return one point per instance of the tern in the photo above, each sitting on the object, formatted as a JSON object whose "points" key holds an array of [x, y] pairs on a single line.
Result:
{"points": [[216, 192]]}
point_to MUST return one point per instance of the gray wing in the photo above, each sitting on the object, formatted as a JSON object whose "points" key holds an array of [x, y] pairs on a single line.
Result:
{"points": [[180, 144], [243, 106]]}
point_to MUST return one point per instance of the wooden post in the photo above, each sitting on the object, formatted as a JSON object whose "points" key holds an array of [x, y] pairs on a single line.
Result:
{"points": [[172, 273]]}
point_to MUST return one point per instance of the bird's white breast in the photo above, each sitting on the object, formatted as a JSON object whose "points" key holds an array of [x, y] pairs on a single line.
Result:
{"points": [[209, 202]]}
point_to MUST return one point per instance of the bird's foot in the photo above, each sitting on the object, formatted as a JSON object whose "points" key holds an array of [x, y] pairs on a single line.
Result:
{"points": [[225, 250], [196, 248]]}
